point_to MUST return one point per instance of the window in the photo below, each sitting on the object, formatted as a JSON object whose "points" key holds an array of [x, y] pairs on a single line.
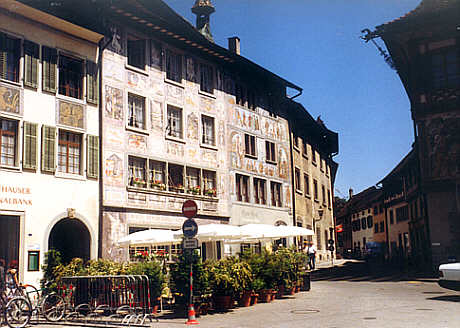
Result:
{"points": [[306, 179], [174, 127], [206, 78], [318, 238], [363, 223], [275, 190], [270, 151], [136, 52], [49, 64], [315, 189], [208, 135], [31, 59], [157, 175], [328, 198], [321, 164], [370, 221], [376, 227], [382, 226], [252, 104], [29, 159], [69, 152], [245, 97], [10, 54], [136, 111], [193, 180], [313, 156], [250, 145], [176, 178], [325, 239], [137, 176], [259, 191], [209, 183], [402, 213], [391, 217], [8, 142], [33, 260], [323, 193], [242, 188], [70, 77], [297, 179], [173, 66], [445, 69], [304, 149], [296, 141]]}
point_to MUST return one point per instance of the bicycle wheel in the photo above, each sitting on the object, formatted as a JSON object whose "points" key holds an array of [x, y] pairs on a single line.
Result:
{"points": [[17, 312], [53, 307], [32, 294]]}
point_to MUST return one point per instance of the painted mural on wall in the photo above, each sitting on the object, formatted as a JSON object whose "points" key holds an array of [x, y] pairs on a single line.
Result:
{"points": [[245, 119], [113, 70], [155, 54], [207, 105], [113, 230], [274, 129], [156, 115], [192, 126], [113, 169], [443, 146], [237, 154], [209, 157], [113, 103], [10, 100], [114, 137], [71, 114], [175, 94], [137, 81], [221, 134], [283, 171], [137, 143], [174, 149]]}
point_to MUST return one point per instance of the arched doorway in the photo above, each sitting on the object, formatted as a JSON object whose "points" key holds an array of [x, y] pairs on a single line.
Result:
{"points": [[71, 238]]}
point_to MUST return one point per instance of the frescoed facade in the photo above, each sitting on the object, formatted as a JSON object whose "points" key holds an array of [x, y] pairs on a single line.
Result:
{"points": [[49, 145]]}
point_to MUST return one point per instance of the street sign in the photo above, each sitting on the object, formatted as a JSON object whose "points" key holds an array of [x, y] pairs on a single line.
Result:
{"points": [[190, 243], [331, 241], [189, 209], [189, 228]]}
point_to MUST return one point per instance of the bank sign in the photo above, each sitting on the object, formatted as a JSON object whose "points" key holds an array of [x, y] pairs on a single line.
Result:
{"points": [[15, 196]]}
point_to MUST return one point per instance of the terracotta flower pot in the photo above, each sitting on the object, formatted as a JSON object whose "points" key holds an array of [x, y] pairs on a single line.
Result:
{"points": [[254, 298], [222, 302], [265, 295], [245, 299]]}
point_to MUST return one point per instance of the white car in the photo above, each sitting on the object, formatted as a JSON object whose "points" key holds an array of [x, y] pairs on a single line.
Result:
{"points": [[449, 276]]}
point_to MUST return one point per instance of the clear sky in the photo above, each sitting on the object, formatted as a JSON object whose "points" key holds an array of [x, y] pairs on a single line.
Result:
{"points": [[315, 44]]}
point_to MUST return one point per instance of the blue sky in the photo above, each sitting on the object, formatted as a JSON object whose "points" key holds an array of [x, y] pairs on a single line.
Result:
{"points": [[315, 44]]}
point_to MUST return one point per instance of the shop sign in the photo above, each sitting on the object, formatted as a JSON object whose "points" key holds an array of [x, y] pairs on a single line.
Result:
{"points": [[15, 195]]}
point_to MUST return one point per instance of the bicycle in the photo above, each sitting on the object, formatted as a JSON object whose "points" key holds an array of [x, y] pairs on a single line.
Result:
{"points": [[15, 311], [51, 306]]}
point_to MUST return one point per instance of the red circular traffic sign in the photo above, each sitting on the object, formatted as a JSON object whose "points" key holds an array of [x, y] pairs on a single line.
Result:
{"points": [[189, 209]]}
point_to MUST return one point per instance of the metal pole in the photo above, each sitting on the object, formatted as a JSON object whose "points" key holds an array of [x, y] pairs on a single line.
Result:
{"points": [[191, 277]]}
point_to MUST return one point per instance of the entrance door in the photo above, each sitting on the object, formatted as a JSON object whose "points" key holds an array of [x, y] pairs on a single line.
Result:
{"points": [[71, 238], [9, 238]]}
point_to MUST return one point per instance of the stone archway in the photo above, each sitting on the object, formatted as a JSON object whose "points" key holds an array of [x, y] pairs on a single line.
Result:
{"points": [[71, 238]]}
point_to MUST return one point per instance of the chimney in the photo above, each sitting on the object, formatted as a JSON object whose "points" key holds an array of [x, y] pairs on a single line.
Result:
{"points": [[234, 45], [350, 193]]}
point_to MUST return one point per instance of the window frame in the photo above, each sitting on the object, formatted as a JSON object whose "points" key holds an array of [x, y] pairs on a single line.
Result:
{"points": [[315, 190], [443, 77], [260, 191], [204, 142], [207, 78], [176, 77], [250, 145], [276, 194], [16, 57], [15, 137], [306, 179], [270, 152], [69, 144], [242, 184], [297, 182], [60, 72], [132, 112], [143, 51], [169, 134], [304, 149]]}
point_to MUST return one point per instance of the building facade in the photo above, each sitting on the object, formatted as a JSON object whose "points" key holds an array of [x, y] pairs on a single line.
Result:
{"points": [[424, 47], [49, 145]]}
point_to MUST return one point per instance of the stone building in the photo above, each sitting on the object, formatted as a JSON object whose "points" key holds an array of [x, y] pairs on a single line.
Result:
{"points": [[424, 49], [49, 138], [313, 173]]}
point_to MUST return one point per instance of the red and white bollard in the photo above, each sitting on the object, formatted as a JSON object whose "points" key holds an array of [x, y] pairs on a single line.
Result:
{"points": [[191, 316]]}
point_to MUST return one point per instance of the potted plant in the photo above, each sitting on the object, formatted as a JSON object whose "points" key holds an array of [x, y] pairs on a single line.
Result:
{"points": [[195, 190], [157, 184], [138, 182], [222, 284], [211, 192]]}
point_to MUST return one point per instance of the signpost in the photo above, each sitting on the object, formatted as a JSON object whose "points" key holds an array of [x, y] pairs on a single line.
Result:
{"points": [[190, 229]]}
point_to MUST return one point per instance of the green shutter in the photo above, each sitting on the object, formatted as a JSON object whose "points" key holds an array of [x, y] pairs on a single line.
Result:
{"points": [[29, 160], [92, 145], [3, 56], [49, 59], [31, 57], [48, 149], [92, 83]]}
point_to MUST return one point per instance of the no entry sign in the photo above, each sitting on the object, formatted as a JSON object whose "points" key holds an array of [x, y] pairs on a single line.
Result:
{"points": [[189, 209]]}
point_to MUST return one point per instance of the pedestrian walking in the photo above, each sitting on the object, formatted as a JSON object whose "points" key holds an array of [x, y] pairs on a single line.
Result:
{"points": [[311, 251]]}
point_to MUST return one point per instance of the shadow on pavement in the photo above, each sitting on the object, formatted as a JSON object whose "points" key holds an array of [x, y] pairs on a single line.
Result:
{"points": [[446, 298], [363, 271]]}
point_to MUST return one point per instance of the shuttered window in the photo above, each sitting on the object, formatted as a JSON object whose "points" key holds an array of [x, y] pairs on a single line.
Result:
{"points": [[92, 170], [31, 58], [29, 160], [48, 149], [92, 83], [49, 61], [10, 53]]}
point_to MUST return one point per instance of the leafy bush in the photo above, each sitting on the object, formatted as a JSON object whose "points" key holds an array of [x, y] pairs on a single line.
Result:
{"points": [[52, 262]]}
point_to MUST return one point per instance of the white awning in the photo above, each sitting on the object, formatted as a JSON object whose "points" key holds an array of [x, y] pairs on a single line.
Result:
{"points": [[150, 237]]}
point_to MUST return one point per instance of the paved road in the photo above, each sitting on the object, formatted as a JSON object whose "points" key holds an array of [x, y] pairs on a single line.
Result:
{"points": [[347, 297]]}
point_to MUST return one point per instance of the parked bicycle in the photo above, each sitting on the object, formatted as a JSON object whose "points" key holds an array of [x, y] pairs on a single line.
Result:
{"points": [[16, 312], [51, 306]]}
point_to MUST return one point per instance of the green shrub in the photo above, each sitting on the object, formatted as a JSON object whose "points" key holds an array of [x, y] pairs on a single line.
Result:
{"points": [[52, 262]]}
